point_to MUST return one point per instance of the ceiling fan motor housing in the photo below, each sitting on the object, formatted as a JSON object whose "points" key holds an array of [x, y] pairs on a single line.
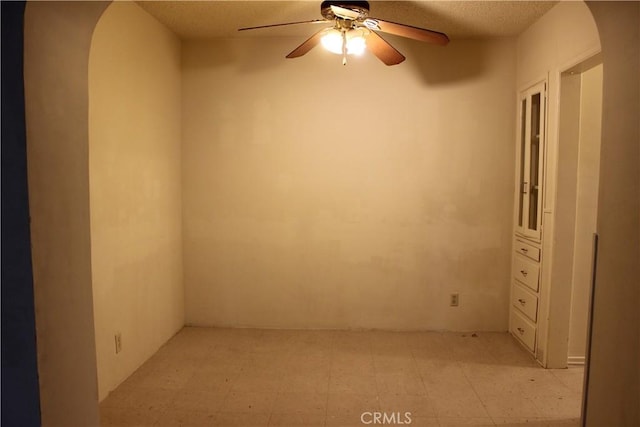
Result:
{"points": [[362, 7]]}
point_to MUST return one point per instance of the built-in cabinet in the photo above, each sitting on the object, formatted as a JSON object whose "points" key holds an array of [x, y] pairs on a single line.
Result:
{"points": [[527, 244]]}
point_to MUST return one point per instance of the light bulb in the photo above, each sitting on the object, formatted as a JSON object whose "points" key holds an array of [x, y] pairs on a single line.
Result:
{"points": [[356, 45], [332, 41], [356, 42]]}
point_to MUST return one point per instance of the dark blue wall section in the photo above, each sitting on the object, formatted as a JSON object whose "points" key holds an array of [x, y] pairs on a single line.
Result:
{"points": [[20, 399]]}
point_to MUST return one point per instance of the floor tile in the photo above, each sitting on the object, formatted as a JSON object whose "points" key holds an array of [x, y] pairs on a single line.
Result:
{"points": [[144, 398], [198, 400], [301, 383], [249, 382], [418, 406], [296, 420], [177, 418], [558, 406], [438, 373], [250, 377], [400, 383], [506, 351], [125, 417], [301, 403], [308, 365], [467, 347], [424, 422], [509, 405], [249, 402], [344, 420], [465, 421], [355, 384], [457, 402], [240, 419], [537, 422], [350, 403], [212, 381], [572, 377], [345, 363]]}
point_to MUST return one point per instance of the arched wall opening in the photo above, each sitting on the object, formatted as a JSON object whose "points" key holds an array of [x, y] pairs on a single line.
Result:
{"points": [[57, 43]]}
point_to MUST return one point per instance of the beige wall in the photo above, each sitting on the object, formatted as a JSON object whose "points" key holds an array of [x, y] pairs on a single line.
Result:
{"points": [[56, 86], [565, 33], [586, 207], [323, 196], [56, 47], [135, 189], [563, 37], [613, 394]]}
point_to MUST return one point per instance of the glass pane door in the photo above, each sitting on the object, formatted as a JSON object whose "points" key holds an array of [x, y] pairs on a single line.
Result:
{"points": [[534, 160], [521, 180], [530, 160]]}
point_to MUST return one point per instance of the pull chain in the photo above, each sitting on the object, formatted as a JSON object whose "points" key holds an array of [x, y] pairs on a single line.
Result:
{"points": [[344, 47]]}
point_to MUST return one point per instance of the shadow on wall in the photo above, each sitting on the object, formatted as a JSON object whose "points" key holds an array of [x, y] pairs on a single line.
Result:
{"points": [[222, 56], [435, 65], [451, 64], [241, 56]]}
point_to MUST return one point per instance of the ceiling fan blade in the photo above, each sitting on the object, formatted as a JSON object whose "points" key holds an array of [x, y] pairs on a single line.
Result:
{"points": [[408, 31], [314, 21], [344, 13], [383, 50], [305, 47]]}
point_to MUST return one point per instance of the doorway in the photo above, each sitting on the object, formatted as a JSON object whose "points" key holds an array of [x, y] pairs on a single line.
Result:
{"points": [[580, 116]]}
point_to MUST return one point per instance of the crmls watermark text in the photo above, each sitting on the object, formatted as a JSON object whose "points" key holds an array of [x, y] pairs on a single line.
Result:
{"points": [[385, 418]]}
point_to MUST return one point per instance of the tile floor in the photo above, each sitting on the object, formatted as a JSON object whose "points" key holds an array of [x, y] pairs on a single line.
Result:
{"points": [[250, 377]]}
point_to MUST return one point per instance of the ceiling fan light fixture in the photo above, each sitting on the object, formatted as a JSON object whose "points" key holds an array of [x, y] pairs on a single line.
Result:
{"points": [[332, 40], [353, 32]]}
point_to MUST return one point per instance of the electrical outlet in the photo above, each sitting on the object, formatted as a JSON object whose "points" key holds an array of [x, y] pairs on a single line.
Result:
{"points": [[454, 300], [118, 338]]}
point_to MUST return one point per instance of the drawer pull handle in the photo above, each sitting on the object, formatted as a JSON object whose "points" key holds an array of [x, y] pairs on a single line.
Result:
{"points": [[521, 301], [524, 273], [525, 250], [521, 331]]}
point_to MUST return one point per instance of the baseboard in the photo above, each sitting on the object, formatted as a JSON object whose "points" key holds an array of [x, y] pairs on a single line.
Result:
{"points": [[575, 360]]}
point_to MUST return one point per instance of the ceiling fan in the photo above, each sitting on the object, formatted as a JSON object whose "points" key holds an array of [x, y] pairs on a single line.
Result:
{"points": [[353, 31]]}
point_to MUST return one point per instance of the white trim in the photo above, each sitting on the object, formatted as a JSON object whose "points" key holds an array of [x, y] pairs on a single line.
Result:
{"points": [[543, 78], [575, 360], [579, 59], [551, 185]]}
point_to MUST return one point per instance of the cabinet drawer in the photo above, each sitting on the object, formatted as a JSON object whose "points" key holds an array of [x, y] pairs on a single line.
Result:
{"points": [[522, 329], [527, 250], [526, 272], [524, 301]]}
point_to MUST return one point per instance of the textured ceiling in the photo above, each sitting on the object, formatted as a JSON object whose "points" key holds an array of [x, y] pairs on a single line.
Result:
{"points": [[458, 19]]}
